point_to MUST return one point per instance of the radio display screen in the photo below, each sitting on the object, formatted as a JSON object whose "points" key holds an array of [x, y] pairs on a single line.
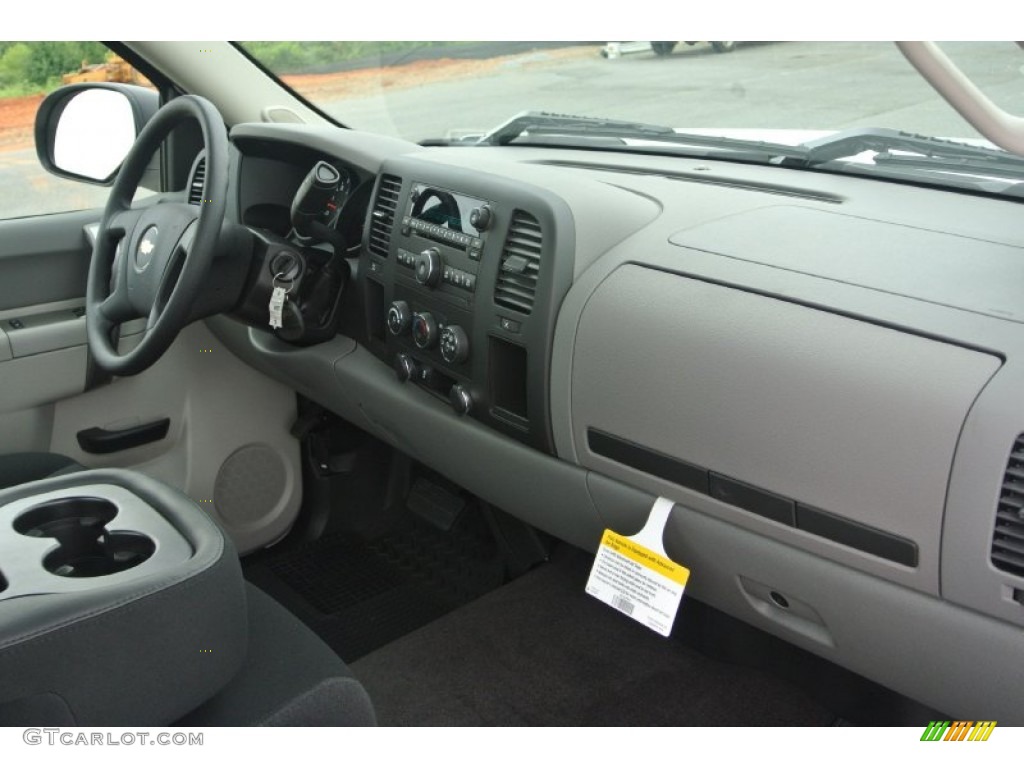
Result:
{"points": [[445, 209]]}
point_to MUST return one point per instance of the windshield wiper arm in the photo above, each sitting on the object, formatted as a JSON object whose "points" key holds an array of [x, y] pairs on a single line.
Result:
{"points": [[1011, 167], [885, 140], [548, 124]]}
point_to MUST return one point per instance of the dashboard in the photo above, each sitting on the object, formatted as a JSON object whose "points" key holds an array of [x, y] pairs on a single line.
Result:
{"points": [[824, 373]]}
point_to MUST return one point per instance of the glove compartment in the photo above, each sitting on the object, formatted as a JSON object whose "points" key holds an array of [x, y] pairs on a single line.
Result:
{"points": [[816, 429]]}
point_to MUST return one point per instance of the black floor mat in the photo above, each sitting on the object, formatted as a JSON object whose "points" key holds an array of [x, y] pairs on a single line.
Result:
{"points": [[360, 594], [540, 651]]}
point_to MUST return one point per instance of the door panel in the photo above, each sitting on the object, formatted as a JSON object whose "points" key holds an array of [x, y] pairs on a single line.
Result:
{"points": [[44, 261], [36, 380], [44, 258], [228, 446]]}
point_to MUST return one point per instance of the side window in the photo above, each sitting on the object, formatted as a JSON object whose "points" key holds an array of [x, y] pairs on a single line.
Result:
{"points": [[28, 72]]}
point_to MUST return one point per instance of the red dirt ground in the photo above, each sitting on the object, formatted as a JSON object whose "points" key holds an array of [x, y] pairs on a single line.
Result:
{"points": [[16, 118], [340, 85], [17, 114]]}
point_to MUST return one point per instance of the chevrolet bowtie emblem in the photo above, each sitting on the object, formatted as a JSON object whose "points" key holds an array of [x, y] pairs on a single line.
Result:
{"points": [[144, 251]]}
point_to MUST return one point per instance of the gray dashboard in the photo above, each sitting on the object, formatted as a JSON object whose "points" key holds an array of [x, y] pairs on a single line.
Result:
{"points": [[823, 372]]}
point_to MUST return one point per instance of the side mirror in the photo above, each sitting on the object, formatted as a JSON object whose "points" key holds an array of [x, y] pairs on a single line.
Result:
{"points": [[84, 131]]}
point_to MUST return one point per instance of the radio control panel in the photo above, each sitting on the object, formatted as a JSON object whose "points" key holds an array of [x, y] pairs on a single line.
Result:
{"points": [[460, 291]]}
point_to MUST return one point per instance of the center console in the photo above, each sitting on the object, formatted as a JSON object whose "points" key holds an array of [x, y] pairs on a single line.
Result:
{"points": [[120, 602], [461, 289]]}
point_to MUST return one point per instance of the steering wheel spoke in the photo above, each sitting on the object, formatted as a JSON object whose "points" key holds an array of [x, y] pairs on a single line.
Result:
{"points": [[117, 308], [122, 223]]}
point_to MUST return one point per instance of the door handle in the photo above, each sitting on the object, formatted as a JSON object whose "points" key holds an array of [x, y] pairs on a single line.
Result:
{"points": [[99, 440]]}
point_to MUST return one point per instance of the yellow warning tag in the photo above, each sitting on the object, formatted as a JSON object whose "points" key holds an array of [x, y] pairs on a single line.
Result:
{"points": [[631, 575], [646, 557]]}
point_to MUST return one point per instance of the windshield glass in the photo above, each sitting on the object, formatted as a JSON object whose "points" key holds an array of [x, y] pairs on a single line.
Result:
{"points": [[786, 92]]}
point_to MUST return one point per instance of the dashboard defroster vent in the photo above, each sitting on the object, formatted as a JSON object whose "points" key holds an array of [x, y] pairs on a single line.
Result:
{"points": [[383, 217], [516, 285], [1008, 539], [197, 181]]}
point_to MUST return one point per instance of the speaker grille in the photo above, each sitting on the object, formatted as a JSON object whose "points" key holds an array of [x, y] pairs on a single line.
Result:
{"points": [[250, 484]]}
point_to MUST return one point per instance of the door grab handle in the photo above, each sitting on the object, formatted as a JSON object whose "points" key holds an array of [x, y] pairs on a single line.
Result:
{"points": [[98, 440]]}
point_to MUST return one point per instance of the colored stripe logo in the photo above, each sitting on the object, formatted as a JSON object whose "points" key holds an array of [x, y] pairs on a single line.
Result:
{"points": [[960, 730]]}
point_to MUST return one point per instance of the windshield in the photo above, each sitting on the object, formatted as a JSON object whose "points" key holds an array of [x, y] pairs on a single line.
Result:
{"points": [[793, 93], [426, 90]]}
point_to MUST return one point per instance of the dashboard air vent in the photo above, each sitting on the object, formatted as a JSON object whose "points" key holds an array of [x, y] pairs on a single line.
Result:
{"points": [[383, 217], [197, 182], [1008, 540], [520, 264]]}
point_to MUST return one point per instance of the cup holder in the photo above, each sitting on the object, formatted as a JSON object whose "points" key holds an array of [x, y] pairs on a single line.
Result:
{"points": [[86, 548], [107, 554], [66, 518]]}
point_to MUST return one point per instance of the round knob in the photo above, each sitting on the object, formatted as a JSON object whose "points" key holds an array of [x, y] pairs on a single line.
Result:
{"points": [[481, 217], [424, 330], [405, 367], [428, 267], [454, 344], [461, 400], [399, 318]]}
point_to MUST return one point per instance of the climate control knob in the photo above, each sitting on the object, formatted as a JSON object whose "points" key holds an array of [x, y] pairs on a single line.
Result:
{"points": [[454, 344], [399, 318], [424, 330], [460, 399], [405, 367], [427, 267]]}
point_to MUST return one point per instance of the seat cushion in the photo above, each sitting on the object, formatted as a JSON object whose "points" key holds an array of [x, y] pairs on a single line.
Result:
{"points": [[290, 677], [18, 468]]}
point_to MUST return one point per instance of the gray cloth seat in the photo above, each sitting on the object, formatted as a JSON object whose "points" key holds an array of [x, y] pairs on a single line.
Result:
{"points": [[18, 468], [290, 677]]}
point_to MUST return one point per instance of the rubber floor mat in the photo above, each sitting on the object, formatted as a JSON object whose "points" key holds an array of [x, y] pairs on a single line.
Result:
{"points": [[359, 594]]}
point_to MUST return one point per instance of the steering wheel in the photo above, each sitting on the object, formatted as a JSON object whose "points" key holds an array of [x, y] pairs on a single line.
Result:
{"points": [[152, 261]]}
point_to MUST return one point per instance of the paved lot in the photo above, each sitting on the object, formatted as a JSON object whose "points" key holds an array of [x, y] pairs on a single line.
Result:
{"points": [[759, 85]]}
